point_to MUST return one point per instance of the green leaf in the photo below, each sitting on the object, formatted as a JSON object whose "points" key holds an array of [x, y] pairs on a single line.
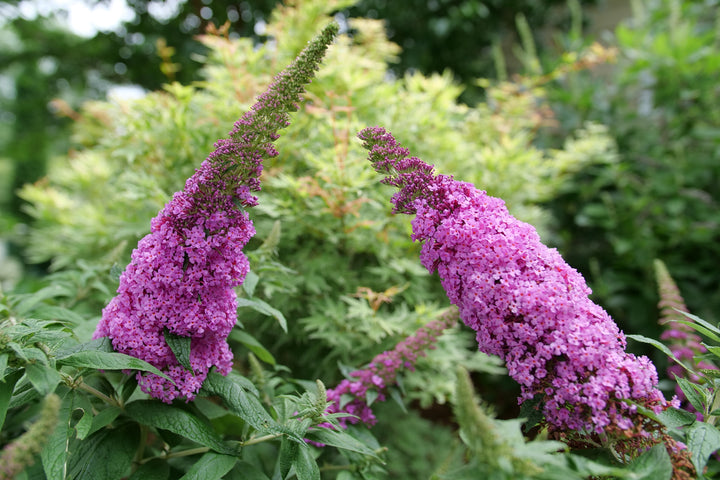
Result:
{"points": [[676, 417], [306, 468], [45, 379], [395, 395], [84, 424], [660, 346], [53, 312], [108, 361], [177, 421], [250, 282], [180, 347], [3, 364], [702, 440], [654, 464], [240, 401], [211, 466], [105, 455], [153, 470], [103, 344], [370, 396], [339, 439], [289, 451], [264, 308], [54, 454], [696, 394], [6, 391], [532, 411], [104, 418], [252, 344], [250, 471]]}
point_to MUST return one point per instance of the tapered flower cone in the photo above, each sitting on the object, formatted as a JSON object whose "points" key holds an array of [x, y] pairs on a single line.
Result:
{"points": [[182, 275], [526, 304]]}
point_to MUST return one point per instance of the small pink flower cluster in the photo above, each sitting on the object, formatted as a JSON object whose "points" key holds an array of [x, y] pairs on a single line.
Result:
{"points": [[351, 396], [182, 275], [525, 303]]}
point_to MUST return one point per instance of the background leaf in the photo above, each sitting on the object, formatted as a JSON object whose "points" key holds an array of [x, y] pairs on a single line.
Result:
{"points": [[44, 378], [211, 466]]}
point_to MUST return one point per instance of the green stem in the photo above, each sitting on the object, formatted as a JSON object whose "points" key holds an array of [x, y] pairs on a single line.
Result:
{"points": [[264, 438], [181, 453], [91, 390]]}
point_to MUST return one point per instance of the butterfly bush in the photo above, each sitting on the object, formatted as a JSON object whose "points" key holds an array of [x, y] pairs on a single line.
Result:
{"points": [[182, 275], [526, 304], [352, 396], [682, 340]]}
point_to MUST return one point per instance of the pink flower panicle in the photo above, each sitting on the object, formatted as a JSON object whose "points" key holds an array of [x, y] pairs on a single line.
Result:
{"points": [[525, 303], [681, 338], [351, 396], [182, 275]]}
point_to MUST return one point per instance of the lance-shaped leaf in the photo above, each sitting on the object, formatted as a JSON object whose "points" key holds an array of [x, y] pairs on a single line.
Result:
{"points": [[179, 422], [180, 347], [240, 401]]}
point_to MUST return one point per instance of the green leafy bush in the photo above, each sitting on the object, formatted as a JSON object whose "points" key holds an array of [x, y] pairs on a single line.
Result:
{"points": [[660, 103], [329, 264]]}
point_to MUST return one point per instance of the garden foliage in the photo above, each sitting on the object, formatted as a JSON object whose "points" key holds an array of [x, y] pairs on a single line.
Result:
{"points": [[330, 280]]}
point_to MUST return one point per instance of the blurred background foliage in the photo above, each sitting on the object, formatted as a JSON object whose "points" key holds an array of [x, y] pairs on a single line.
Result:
{"points": [[610, 149]]}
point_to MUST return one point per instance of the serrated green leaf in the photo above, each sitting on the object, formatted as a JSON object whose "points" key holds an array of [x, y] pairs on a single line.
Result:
{"points": [[105, 455], [43, 378], [339, 439], [264, 308], [211, 466], [289, 451], [177, 421], [239, 401], [252, 344], [108, 361], [702, 440], [306, 468], [676, 417], [654, 464], [693, 393], [6, 391], [153, 470], [180, 347], [250, 282]]}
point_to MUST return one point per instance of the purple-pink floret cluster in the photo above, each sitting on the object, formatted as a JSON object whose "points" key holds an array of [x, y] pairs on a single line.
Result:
{"points": [[526, 304], [182, 275], [351, 396]]}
